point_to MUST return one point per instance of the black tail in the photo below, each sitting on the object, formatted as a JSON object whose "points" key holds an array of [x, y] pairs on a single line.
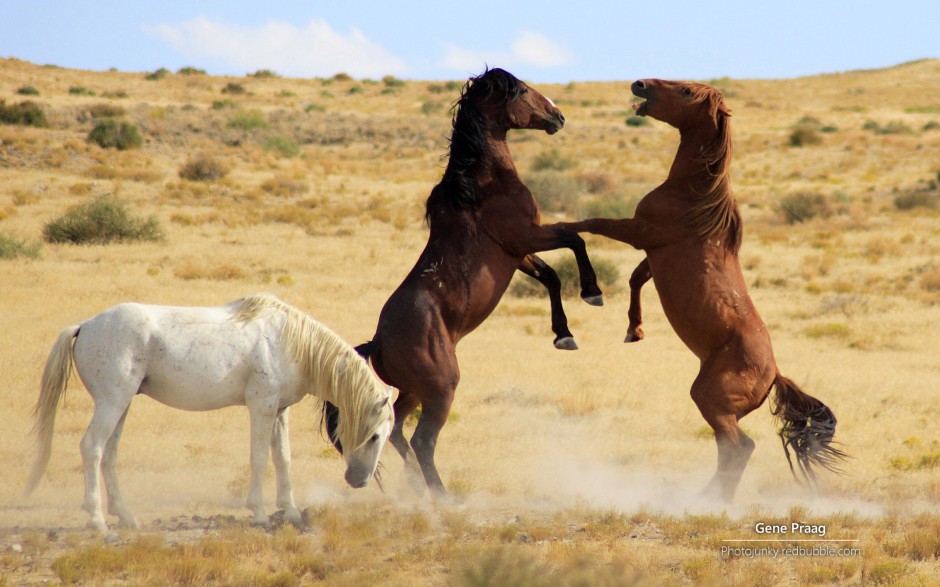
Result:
{"points": [[807, 426], [329, 417]]}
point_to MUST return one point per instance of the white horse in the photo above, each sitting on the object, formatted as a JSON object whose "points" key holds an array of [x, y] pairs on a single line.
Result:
{"points": [[257, 352]]}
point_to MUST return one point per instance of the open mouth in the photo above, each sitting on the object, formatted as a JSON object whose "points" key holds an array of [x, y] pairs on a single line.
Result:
{"points": [[639, 89]]}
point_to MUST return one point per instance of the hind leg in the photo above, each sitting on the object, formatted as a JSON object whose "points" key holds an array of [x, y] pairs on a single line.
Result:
{"points": [[404, 406], [116, 506], [434, 412], [103, 424], [728, 387]]}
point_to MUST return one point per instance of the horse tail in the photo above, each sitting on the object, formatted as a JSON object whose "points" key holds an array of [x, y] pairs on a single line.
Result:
{"points": [[807, 426], [55, 378]]}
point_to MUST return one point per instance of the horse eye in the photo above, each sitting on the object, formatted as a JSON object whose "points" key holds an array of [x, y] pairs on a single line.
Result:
{"points": [[375, 437], [686, 91]]}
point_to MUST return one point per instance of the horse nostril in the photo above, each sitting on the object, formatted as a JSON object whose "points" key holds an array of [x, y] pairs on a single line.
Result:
{"points": [[639, 85], [561, 117]]}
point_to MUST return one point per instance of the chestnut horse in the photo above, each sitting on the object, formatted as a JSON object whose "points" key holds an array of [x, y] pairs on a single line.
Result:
{"points": [[690, 228], [484, 226]]}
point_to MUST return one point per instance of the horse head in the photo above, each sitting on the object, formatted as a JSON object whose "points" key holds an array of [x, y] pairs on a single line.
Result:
{"points": [[368, 439], [510, 102], [680, 104]]}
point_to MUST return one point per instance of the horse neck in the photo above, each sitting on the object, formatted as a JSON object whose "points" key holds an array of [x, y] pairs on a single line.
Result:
{"points": [[497, 160], [689, 168]]}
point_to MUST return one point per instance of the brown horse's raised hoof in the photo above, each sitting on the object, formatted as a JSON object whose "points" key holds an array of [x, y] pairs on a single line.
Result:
{"points": [[597, 300], [634, 335], [566, 344]]}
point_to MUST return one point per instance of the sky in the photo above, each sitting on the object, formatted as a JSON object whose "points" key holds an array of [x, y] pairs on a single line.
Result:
{"points": [[544, 41]]}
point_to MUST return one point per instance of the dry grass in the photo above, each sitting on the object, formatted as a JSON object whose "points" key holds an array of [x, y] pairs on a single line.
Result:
{"points": [[575, 468]]}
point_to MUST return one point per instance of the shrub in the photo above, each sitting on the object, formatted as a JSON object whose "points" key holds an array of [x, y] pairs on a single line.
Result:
{"points": [[81, 91], [286, 146], [188, 70], [110, 133], [12, 248], [100, 221], [391, 81], [342, 77], [158, 74], [220, 104], [567, 270], [27, 91], [892, 128], [23, 114], [917, 199], [802, 206], [202, 169], [248, 120], [105, 111], [551, 160], [803, 136], [264, 74], [233, 89], [554, 190], [611, 206], [637, 121]]}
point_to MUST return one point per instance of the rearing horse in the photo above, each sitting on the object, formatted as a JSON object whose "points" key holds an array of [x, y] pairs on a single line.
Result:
{"points": [[691, 229], [484, 225]]}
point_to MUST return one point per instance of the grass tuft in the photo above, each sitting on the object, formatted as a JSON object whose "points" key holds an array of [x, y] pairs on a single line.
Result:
{"points": [[102, 221]]}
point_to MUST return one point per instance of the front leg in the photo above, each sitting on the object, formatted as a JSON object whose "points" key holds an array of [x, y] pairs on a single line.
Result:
{"points": [[262, 414], [280, 454], [636, 233], [639, 277], [552, 237], [539, 270]]}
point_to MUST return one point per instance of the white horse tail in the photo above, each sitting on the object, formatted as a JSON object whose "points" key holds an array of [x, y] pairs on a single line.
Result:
{"points": [[55, 378]]}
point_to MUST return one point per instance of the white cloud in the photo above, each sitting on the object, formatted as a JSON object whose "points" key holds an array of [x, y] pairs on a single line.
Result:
{"points": [[538, 50], [529, 48], [313, 50]]}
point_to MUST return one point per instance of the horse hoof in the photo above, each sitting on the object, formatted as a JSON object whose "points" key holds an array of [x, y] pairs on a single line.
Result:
{"points": [[597, 300], [566, 344], [633, 337]]}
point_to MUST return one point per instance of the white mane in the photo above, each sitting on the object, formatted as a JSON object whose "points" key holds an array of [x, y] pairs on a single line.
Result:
{"points": [[327, 361]]}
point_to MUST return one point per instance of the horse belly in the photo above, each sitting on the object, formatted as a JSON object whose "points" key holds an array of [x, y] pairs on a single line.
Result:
{"points": [[200, 367]]}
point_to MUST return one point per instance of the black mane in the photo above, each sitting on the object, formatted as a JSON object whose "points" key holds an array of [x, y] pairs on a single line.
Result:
{"points": [[457, 189]]}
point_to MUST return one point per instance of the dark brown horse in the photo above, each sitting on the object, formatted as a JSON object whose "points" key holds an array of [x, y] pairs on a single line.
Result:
{"points": [[690, 228], [484, 225]]}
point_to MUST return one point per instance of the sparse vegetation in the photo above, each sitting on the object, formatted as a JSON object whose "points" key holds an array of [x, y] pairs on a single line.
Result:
{"points": [[27, 91], [101, 221], [12, 247], [248, 120], [802, 206]]}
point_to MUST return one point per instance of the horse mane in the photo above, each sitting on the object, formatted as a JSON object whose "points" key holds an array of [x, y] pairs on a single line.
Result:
{"points": [[326, 360], [457, 188], [716, 213]]}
